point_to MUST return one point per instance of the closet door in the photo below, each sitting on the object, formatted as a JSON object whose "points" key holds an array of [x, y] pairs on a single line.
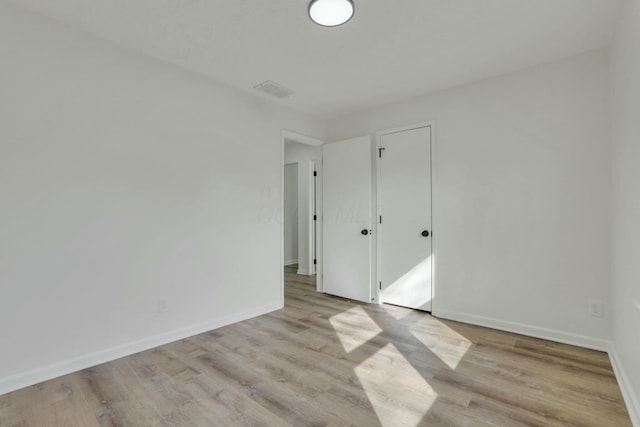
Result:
{"points": [[404, 229], [347, 218]]}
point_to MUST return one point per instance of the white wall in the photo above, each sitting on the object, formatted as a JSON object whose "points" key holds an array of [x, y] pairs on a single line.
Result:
{"points": [[124, 180], [290, 214], [301, 154], [626, 201], [521, 205]]}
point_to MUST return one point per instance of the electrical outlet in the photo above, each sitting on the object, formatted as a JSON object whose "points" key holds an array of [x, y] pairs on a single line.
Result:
{"points": [[162, 305], [596, 308]]}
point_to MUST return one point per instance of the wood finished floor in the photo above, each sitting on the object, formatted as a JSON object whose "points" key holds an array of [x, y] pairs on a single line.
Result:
{"points": [[328, 361]]}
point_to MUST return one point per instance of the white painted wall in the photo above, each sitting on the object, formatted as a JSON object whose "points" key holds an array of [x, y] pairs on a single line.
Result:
{"points": [[290, 214], [301, 154], [521, 204], [626, 201], [124, 180]]}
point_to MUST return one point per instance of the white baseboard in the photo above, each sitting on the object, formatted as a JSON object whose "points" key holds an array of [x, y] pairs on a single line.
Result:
{"points": [[291, 262], [35, 376], [303, 272], [529, 330], [630, 397]]}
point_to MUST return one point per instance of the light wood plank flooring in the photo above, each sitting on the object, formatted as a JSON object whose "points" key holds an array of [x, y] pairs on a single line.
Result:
{"points": [[328, 361]]}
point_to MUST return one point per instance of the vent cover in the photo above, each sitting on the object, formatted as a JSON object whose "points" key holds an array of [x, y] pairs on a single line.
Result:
{"points": [[274, 89]]}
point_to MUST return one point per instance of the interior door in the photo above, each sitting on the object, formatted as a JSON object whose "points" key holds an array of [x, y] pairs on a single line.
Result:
{"points": [[404, 232], [347, 216]]}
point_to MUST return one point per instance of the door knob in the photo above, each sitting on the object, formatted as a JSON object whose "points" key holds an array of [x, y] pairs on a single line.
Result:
{"points": [[364, 232], [425, 233]]}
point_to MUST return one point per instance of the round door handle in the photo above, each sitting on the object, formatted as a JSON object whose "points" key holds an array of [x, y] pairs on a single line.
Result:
{"points": [[425, 233], [364, 232]]}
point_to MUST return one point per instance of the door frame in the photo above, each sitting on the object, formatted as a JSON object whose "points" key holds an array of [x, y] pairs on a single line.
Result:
{"points": [[288, 135], [379, 134]]}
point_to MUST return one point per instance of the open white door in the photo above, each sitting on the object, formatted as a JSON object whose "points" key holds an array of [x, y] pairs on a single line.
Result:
{"points": [[404, 232], [347, 216]]}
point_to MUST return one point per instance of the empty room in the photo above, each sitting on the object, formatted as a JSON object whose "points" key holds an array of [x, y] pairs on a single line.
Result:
{"points": [[319, 213]]}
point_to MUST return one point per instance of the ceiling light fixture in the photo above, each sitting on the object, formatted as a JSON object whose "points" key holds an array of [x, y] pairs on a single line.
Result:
{"points": [[331, 13]]}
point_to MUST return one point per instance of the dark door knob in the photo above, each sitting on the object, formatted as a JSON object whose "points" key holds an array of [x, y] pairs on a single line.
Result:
{"points": [[425, 233], [364, 232]]}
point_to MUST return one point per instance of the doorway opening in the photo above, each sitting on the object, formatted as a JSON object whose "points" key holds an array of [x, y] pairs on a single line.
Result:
{"points": [[301, 206]]}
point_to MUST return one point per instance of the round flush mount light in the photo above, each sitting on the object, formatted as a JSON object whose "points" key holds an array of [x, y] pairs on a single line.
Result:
{"points": [[330, 13]]}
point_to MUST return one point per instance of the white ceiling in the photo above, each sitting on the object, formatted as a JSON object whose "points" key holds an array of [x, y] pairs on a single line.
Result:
{"points": [[389, 51]]}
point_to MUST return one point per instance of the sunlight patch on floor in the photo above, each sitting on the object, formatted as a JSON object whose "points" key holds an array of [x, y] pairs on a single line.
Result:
{"points": [[412, 289], [387, 374], [449, 346], [349, 328]]}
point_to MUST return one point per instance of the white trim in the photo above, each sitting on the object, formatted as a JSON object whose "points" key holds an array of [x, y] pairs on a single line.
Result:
{"points": [[374, 288], [319, 224], [281, 266], [434, 215], [404, 128], [524, 329], [629, 395], [377, 226], [291, 262], [36, 376], [304, 272], [311, 226], [302, 139]]}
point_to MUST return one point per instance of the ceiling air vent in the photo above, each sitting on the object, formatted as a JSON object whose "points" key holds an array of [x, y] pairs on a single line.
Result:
{"points": [[274, 89]]}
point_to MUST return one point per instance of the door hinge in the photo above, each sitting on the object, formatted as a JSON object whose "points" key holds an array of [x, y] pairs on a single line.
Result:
{"points": [[380, 150], [315, 261], [315, 217], [315, 173], [380, 287], [380, 219]]}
